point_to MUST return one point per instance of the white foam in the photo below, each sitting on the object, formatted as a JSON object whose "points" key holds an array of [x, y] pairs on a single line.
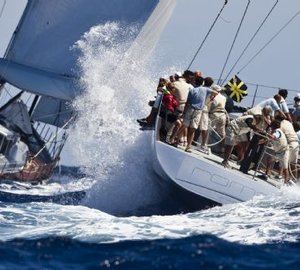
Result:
{"points": [[262, 220]]}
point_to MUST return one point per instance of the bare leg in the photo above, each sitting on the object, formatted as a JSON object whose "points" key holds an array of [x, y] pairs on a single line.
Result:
{"points": [[280, 172], [294, 171], [204, 135], [285, 173], [227, 153], [190, 136], [243, 148], [151, 117], [177, 134], [268, 166]]}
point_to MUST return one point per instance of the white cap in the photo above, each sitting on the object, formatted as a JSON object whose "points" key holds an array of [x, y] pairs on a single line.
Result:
{"points": [[178, 73], [216, 87], [298, 96]]}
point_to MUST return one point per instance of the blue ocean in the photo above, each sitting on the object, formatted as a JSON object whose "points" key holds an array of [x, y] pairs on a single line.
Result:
{"points": [[67, 224], [109, 210]]}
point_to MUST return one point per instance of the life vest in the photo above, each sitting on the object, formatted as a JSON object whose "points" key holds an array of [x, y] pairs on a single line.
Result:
{"points": [[289, 131], [218, 104], [181, 92]]}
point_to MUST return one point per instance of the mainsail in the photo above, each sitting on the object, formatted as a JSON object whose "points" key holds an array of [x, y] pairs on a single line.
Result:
{"points": [[40, 60]]}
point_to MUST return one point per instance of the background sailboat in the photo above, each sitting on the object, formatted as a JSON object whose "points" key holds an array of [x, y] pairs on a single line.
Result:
{"points": [[41, 63]]}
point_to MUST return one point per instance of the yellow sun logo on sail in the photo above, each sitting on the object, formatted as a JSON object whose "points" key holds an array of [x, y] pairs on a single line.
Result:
{"points": [[236, 89]]}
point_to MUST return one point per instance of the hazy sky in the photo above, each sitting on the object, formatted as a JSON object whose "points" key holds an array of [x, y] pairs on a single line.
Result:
{"points": [[9, 19]]}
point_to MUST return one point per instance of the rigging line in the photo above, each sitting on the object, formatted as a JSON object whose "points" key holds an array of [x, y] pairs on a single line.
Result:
{"points": [[53, 137], [234, 40], [2, 8], [281, 29], [210, 29], [251, 40]]}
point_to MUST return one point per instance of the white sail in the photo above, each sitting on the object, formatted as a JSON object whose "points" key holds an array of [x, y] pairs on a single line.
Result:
{"points": [[40, 58], [49, 29]]}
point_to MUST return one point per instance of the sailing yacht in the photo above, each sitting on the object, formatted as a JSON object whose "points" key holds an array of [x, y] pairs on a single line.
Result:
{"points": [[40, 64], [199, 178]]}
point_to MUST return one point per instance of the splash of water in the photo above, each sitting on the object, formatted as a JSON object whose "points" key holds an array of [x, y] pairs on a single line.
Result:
{"points": [[117, 86]]}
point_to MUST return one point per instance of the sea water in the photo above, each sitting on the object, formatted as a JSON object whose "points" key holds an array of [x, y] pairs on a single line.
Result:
{"points": [[110, 212]]}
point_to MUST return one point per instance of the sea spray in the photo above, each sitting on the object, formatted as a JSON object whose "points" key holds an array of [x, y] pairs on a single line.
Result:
{"points": [[113, 149]]}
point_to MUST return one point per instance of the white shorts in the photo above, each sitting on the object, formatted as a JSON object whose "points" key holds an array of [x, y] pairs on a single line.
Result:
{"points": [[294, 149], [282, 157]]}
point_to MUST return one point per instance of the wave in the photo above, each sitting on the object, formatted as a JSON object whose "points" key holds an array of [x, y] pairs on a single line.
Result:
{"points": [[262, 220]]}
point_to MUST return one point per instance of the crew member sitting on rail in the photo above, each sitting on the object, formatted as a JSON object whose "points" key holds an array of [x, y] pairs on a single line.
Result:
{"points": [[169, 100], [150, 119], [237, 127]]}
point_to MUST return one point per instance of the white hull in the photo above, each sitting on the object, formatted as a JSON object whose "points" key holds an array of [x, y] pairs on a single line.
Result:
{"points": [[204, 176]]}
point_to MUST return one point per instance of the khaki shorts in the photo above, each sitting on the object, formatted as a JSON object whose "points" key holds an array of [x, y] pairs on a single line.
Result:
{"points": [[192, 117], [204, 121], [218, 123], [231, 137], [242, 138]]}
